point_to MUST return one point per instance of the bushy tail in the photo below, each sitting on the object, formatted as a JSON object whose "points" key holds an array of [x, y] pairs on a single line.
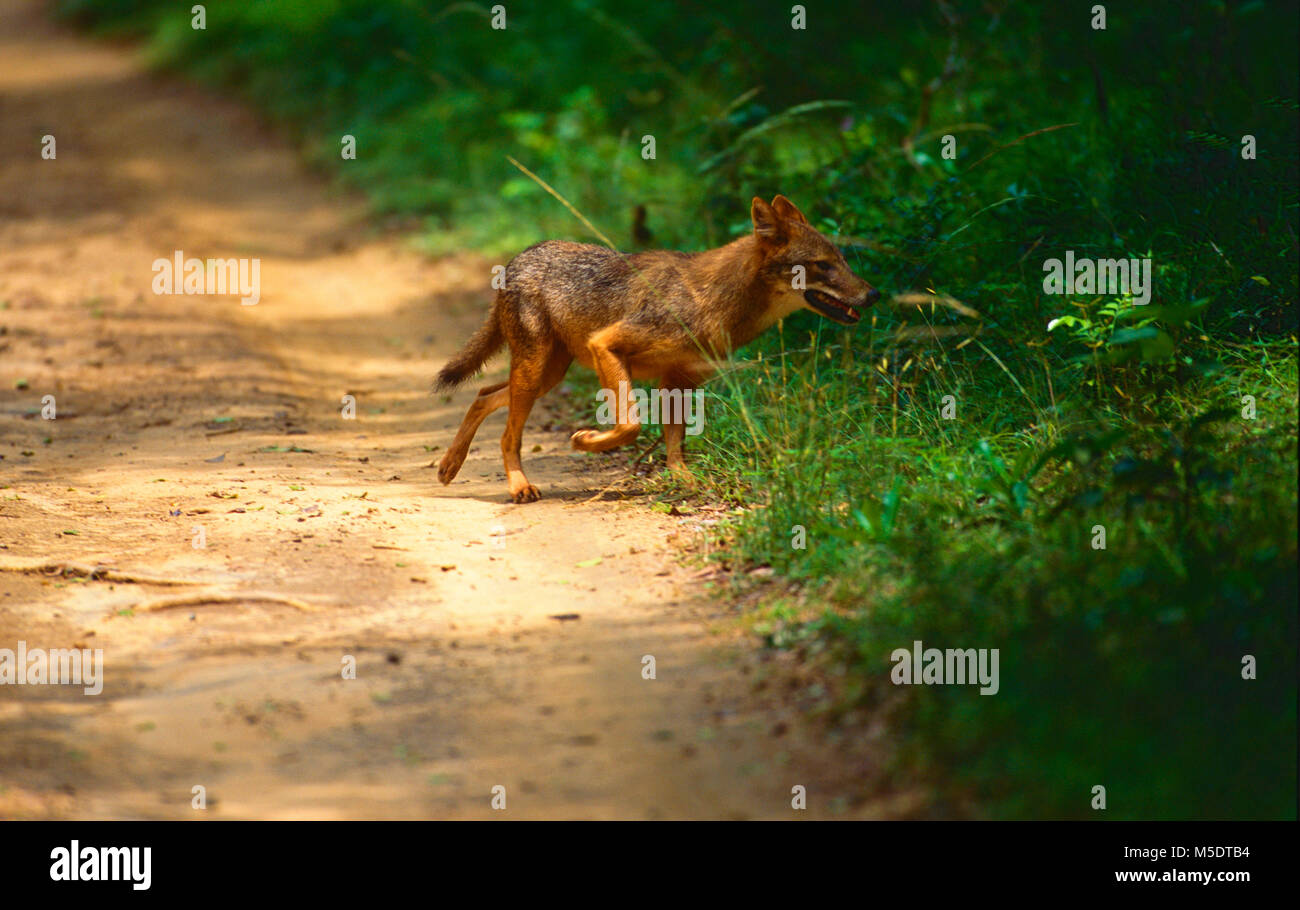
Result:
{"points": [[482, 345]]}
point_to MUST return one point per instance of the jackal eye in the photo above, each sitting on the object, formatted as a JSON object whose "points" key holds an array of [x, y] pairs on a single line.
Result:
{"points": [[823, 265]]}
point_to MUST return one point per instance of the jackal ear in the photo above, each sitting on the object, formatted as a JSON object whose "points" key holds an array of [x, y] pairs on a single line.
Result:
{"points": [[787, 209], [767, 224]]}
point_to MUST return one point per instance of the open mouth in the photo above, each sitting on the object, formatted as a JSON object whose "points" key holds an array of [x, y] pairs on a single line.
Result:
{"points": [[831, 308]]}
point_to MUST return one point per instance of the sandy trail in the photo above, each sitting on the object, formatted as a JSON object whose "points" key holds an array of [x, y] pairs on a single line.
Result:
{"points": [[186, 415]]}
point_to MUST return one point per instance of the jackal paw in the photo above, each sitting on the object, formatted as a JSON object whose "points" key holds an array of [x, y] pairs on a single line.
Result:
{"points": [[581, 440], [604, 440], [525, 493], [447, 469], [681, 473]]}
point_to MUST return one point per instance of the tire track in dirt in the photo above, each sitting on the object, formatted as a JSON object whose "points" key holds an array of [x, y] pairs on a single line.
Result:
{"points": [[185, 413]]}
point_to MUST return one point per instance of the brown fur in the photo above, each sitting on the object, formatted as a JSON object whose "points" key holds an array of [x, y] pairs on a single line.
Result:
{"points": [[660, 314]]}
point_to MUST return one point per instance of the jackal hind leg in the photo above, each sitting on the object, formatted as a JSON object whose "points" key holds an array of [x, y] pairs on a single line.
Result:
{"points": [[489, 399], [531, 376]]}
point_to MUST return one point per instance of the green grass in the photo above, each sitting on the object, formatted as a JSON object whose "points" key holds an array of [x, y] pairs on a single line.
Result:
{"points": [[1119, 667]]}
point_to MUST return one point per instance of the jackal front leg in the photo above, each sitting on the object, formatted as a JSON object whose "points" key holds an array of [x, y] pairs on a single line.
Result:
{"points": [[605, 346], [672, 413]]}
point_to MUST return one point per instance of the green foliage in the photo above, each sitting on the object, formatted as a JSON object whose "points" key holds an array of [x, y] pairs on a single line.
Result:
{"points": [[1121, 666]]}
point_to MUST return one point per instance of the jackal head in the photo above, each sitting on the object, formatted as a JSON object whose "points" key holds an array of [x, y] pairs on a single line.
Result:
{"points": [[828, 287]]}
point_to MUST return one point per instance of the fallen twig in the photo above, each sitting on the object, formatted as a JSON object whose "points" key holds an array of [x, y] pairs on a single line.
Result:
{"points": [[94, 573], [195, 600]]}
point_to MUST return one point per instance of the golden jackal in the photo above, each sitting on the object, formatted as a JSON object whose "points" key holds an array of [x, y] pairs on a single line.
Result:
{"points": [[662, 314]]}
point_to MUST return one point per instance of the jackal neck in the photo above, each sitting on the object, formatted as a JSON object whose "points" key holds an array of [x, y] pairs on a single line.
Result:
{"points": [[736, 293]]}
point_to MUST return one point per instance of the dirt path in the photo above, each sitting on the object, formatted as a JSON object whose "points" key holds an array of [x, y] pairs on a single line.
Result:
{"points": [[185, 414]]}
